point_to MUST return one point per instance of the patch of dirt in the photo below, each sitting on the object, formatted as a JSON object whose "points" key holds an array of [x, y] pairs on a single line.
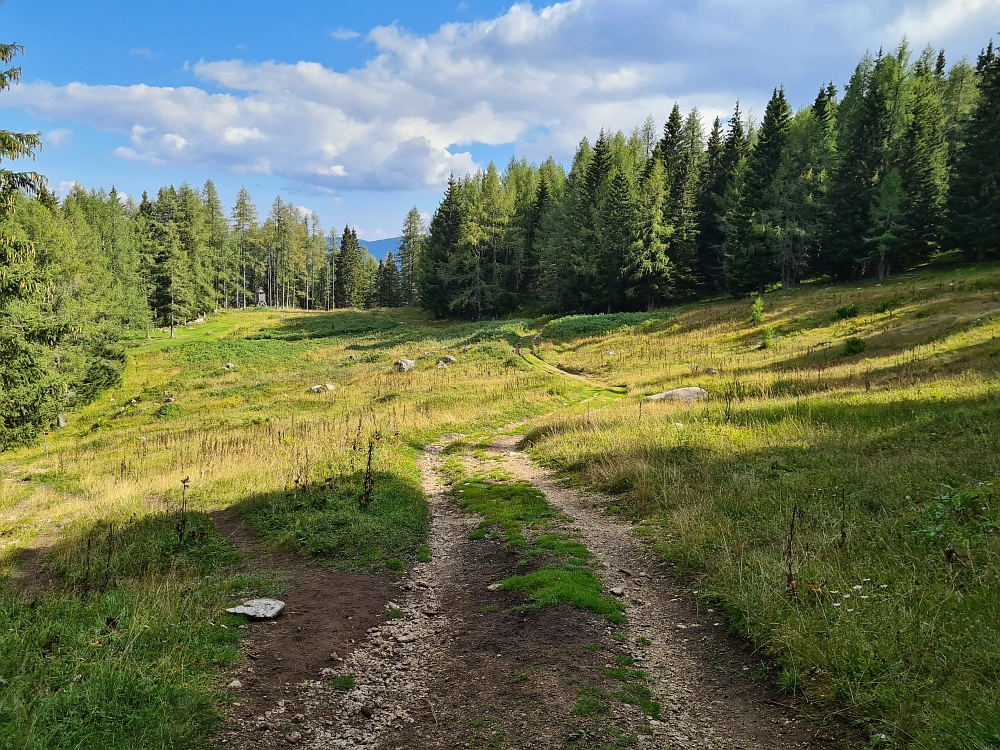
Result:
{"points": [[327, 611]]}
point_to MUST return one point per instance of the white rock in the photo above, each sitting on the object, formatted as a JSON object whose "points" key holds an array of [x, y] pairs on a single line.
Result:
{"points": [[618, 591], [317, 389], [692, 393], [331, 387], [235, 685], [229, 366], [259, 609], [404, 365], [441, 365], [449, 359]]}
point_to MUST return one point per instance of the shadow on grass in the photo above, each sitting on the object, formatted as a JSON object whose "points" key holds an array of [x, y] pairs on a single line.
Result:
{"points": [[123, 651]]}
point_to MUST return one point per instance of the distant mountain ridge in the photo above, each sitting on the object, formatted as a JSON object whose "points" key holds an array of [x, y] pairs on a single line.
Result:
{"points": [[380, 248]]}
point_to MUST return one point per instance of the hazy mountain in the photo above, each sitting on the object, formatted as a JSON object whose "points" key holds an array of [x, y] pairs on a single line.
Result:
{"points": [[379, 248]]}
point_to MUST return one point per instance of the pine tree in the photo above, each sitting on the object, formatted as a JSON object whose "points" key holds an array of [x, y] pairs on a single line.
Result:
{"points": [[864, 131], [757, 229], [923, 169], [975, 196], [350, 287], [711, 232], [244, 216], [410, 243], [29, 382], [647, 265], [388, 283], [217, 244], [433, 265]]}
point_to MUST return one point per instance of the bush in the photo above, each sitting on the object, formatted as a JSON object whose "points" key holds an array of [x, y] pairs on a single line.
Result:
{"points": [[848, 311], [854, 345], [757, 311]]}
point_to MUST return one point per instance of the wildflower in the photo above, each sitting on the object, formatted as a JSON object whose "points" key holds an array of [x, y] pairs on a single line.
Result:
{"points": [[836, 604], [834, 592], [850, 610], [884, 586], [857, 588], [864, 597], [847, 596], [866, 580]]}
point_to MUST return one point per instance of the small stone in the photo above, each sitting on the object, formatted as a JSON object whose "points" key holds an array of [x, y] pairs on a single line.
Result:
{"points": [[334, 655], [494, 587], [404, 365], [441, 365], [367, 712], [609, 353], [618, 591], [229, 366], [259, 609], [712, 371], [449, 359], [299, 718], [317, 389], [406, 638], [235, 685], [331, 387], [294, 736]]}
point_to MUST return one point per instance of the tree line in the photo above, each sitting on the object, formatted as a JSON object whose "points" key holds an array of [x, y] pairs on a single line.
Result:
{"points": [[903, 167]]}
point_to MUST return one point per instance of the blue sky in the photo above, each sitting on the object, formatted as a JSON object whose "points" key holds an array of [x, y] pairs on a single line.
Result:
{"points": [[359, 111]]}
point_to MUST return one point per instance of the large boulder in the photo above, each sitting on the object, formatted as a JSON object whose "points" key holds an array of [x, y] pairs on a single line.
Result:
{"points": [[404, 365], [689, 394]]}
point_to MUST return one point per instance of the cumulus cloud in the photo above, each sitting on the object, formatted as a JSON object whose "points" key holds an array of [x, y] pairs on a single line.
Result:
{"points": [[58, 138], [537, 78]]}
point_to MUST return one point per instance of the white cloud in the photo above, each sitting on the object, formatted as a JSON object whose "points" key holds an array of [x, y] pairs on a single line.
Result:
{"points": [[143, 52], [342, 33], [538, 78], [65, 186], [236, 136], [58, 138]]}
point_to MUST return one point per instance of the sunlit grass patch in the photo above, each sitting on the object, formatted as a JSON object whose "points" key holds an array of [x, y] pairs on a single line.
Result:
{"points": [[557, 585]]}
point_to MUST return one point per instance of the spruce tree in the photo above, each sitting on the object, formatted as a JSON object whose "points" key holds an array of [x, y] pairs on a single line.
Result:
{"points": [[29, 382], [433, 276], [923, 169], [756, 229], [975, 195], [410, 244]]}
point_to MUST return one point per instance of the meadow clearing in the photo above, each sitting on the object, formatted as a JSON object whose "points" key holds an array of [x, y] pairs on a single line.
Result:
{"points": [[833, 495]]}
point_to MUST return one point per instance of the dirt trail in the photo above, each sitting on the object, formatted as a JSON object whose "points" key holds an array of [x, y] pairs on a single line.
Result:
{"points": [[381, 633], [702, 678], [460, 665]]}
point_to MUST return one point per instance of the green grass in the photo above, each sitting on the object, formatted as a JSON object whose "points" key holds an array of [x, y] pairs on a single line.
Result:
{"points": [[127, 653], [519, 511], [889, 455], [556, 585], [343, 682]]}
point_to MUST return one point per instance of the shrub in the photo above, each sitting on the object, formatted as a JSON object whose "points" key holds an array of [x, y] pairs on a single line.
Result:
{"points": [[854, 345], [757, 311], [848, 311]]}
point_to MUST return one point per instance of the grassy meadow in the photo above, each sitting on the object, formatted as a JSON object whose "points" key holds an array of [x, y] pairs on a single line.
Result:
{"points": [[117, 640], [869, 414], [834, 494]]}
